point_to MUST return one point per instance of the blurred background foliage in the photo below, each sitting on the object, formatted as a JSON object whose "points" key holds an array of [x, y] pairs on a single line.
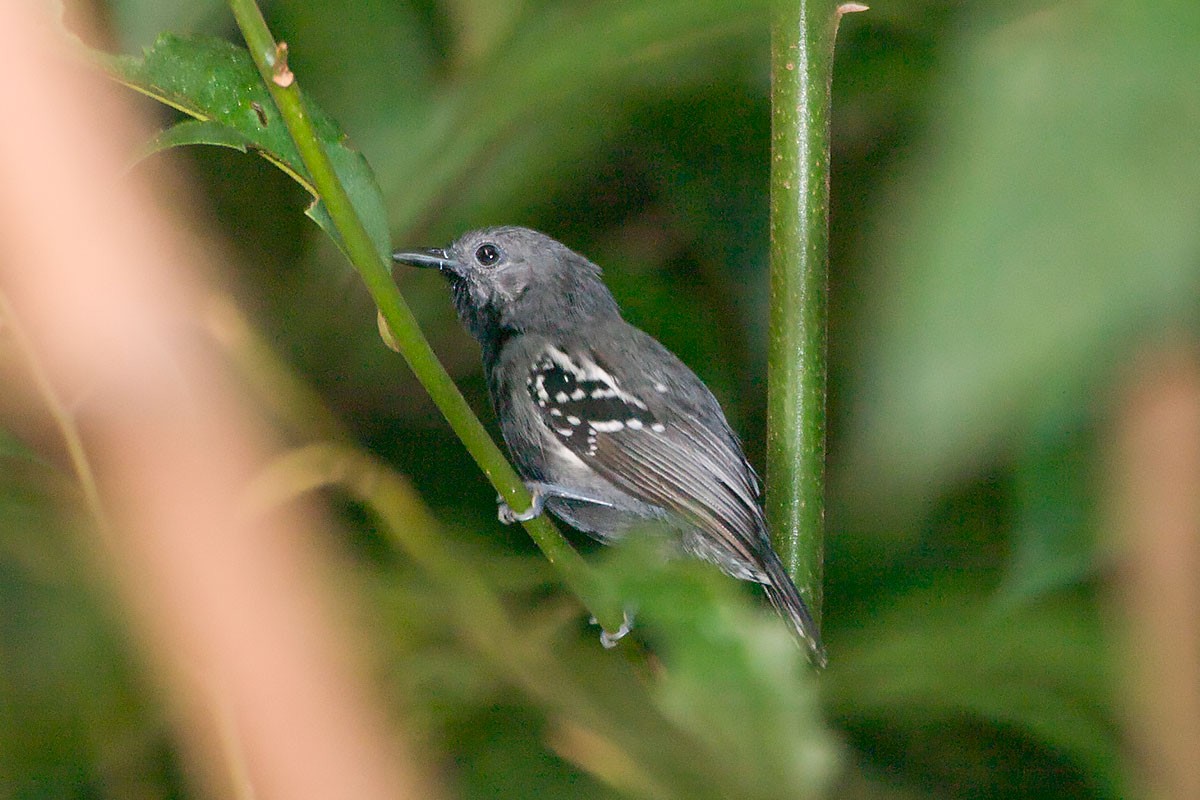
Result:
{"points": [[1015, 195]]}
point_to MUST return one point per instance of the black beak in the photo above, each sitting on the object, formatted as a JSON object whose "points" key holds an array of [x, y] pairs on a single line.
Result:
{"points": [[432, 258]]}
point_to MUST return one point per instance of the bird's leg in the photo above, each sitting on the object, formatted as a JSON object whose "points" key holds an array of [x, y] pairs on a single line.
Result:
{"points": [[537, 504], [539, 493], [609, 640]]}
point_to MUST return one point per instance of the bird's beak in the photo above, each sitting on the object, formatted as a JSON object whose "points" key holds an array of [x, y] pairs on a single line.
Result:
{"points": [[432, 258]]}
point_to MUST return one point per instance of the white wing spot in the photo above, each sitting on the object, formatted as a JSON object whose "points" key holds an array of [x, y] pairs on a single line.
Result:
{"points": [[661, 388], [634, 424], [541, 389], [608, 425], [658, 427], [554, 412], [574, 420], [587, 370]]}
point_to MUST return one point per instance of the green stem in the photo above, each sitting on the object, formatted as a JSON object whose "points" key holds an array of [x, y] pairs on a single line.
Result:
{"points": [[271, 63], [802, 37]]}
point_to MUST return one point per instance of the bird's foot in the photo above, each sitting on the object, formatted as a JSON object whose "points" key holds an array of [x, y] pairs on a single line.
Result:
{"points": [[537, 505], [540, 491], [609, 640]]}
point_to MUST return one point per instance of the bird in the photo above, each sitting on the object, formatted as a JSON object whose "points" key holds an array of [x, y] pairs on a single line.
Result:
{"points": [[609, 429]]}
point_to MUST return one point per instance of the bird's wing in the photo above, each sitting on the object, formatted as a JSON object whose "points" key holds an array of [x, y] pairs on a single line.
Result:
{"points": [[666, 442]]}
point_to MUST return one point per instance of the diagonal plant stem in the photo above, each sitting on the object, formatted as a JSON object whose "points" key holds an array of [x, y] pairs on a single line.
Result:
{"points": [[271, 60], [62, 416], [652, 750], [802, 38]]}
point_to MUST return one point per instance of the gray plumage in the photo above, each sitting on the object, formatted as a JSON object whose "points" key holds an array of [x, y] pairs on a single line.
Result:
{"points": [[601, 419]]}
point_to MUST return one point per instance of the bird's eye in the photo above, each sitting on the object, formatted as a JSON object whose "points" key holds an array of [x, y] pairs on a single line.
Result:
{"points": [[487, 254]]}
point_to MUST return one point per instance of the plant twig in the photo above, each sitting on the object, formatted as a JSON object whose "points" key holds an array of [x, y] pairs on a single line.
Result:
{"points": [[270, 58], [802, 38], [62, 416]]}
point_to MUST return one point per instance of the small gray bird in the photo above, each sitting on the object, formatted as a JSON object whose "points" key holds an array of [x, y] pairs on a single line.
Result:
{"points": [[608, 428]]}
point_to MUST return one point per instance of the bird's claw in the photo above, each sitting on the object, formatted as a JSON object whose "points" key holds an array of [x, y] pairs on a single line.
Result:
{"points": [[536, 506], [609, 640]]}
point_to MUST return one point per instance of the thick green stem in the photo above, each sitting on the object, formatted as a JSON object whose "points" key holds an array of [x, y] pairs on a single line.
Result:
{"points": [[802, 37], [271, 61]]}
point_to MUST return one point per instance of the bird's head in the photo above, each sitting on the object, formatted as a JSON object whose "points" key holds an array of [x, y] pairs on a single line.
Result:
{"points": [[515, 280]]}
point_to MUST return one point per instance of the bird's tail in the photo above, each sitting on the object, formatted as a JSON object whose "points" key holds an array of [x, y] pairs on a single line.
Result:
{"points": [[784, 595]]}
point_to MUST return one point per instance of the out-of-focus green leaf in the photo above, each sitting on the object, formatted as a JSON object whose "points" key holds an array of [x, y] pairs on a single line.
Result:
{"points": [[1049, 219], [734, 676], [139, 22], [12, 447], [943, 656], [1054, 530], [73, 718], [388, 82], [481, 27], [217, 83], [565, 57]]}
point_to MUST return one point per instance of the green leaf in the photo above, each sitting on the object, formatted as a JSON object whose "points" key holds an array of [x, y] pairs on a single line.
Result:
{"points": [[1056, 519], [139, 22], [393, 68], [558, 84], [196, 132], [1048, 224], [944, 656], [216, 82], [734, 678], [12, 447]]}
